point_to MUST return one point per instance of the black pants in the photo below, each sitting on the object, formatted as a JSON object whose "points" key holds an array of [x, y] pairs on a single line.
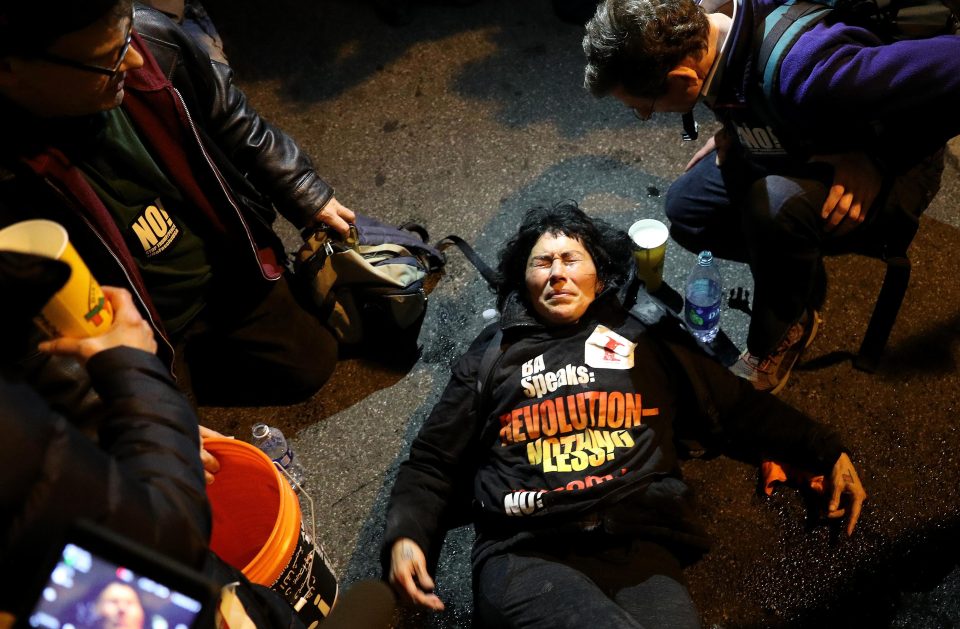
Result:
{"points": [[630, 584], [255, 346]]}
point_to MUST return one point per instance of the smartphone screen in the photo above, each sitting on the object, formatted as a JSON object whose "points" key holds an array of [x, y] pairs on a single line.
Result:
{"points": [[87, 591]]}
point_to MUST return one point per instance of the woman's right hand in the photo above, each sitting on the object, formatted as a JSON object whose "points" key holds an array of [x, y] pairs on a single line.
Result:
{"points": [[128, 329], [409, 577]]}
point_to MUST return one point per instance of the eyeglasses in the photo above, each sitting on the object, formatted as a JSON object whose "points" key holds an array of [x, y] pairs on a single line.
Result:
{"points": [[89, 67], [644, 116]]}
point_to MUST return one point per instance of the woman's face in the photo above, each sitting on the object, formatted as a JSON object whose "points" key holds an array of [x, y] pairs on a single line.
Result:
{"points": [[561, 279]]}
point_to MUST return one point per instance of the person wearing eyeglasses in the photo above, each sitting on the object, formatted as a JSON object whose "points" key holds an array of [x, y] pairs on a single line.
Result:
{"points": [[117, 125], [828, 147]]}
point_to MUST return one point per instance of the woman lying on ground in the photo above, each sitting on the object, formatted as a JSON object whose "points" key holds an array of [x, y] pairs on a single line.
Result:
{"points": [[564, 437]]}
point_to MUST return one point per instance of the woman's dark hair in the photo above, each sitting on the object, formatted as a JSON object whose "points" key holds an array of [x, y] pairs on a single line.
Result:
{"points": [[608, 246]]}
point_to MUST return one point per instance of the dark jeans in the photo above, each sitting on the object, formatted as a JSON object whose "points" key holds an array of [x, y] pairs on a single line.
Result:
{"points": [[255, 345], [771, 221], [592, 584]]}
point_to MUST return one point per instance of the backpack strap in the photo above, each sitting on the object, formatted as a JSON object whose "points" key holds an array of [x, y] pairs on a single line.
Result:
{"points": [[471, 255], [490, 356], [416, 228], [412, 236], [654, 314], [671, 332], [778, 33]]}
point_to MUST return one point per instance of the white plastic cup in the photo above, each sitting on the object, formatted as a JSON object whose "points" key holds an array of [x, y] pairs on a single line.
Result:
{"points": [[649, 246]]}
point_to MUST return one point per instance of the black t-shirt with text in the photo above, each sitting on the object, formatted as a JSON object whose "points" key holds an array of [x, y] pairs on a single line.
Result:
{"points": [[160, 229]]}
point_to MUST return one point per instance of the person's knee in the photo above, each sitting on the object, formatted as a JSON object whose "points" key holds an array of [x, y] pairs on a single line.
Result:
{"points": [[689, 239], [684, 231], [281, 370], [306, 366], [779, 205], [673, 205], [677, 204]]}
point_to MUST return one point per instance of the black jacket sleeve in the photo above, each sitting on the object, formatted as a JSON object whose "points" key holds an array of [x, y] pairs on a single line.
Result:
{"points": [[144, 480], [748, 423], [269, 158], [434, 485]]}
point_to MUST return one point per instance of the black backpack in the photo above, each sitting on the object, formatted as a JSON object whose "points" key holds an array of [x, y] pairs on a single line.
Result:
{"points": [[369, 287]]}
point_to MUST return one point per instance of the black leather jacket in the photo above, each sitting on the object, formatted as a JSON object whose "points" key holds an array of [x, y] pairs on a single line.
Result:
{"points": [[144, 481], [188, 106], [258, 161]]}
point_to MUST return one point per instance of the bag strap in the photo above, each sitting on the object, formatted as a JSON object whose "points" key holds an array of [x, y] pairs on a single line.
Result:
{"points": [[471, 255], [492, 356], [655, 314], [366, 231], [671, 331], [416, 228], [493, 351], [778, 32]]}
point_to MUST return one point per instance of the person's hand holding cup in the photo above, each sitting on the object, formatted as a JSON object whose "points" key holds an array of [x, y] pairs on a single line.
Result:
{"points": [[649, 238], [82, 318], [128, 329], [80, 308]]}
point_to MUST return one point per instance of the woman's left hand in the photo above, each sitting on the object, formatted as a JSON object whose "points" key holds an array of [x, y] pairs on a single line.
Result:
{"points": [[845, 482], [409, 576]]}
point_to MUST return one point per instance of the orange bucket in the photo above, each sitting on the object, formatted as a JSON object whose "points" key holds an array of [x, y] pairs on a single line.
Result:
{"points": [[258, 529]]}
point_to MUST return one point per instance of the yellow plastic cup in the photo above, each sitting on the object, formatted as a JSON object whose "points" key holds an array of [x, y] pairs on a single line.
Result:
{"points": [[77, 310], [650, 244]]}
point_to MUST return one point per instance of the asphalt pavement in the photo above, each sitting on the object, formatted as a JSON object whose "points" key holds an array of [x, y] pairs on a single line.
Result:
{"points": [[468, 115]]}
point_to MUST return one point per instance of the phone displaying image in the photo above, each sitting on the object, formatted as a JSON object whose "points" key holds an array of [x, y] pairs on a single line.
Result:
{"points": [[100, 581]]}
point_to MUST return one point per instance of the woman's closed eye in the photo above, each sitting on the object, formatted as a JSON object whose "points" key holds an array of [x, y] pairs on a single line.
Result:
{"points": [[545, 262]]}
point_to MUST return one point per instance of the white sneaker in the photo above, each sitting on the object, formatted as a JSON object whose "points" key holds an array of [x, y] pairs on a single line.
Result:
{"points": [[770, 373]]}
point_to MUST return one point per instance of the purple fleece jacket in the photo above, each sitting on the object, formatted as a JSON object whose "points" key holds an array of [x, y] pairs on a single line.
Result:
{"points": [[843, 87]]}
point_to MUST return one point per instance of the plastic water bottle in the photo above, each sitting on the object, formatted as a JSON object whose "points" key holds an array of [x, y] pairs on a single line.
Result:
{"points": [[272, 442], [701, 304]]}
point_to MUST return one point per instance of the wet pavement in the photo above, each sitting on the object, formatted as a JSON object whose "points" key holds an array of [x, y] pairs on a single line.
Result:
{"points": [[468, 115]]}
